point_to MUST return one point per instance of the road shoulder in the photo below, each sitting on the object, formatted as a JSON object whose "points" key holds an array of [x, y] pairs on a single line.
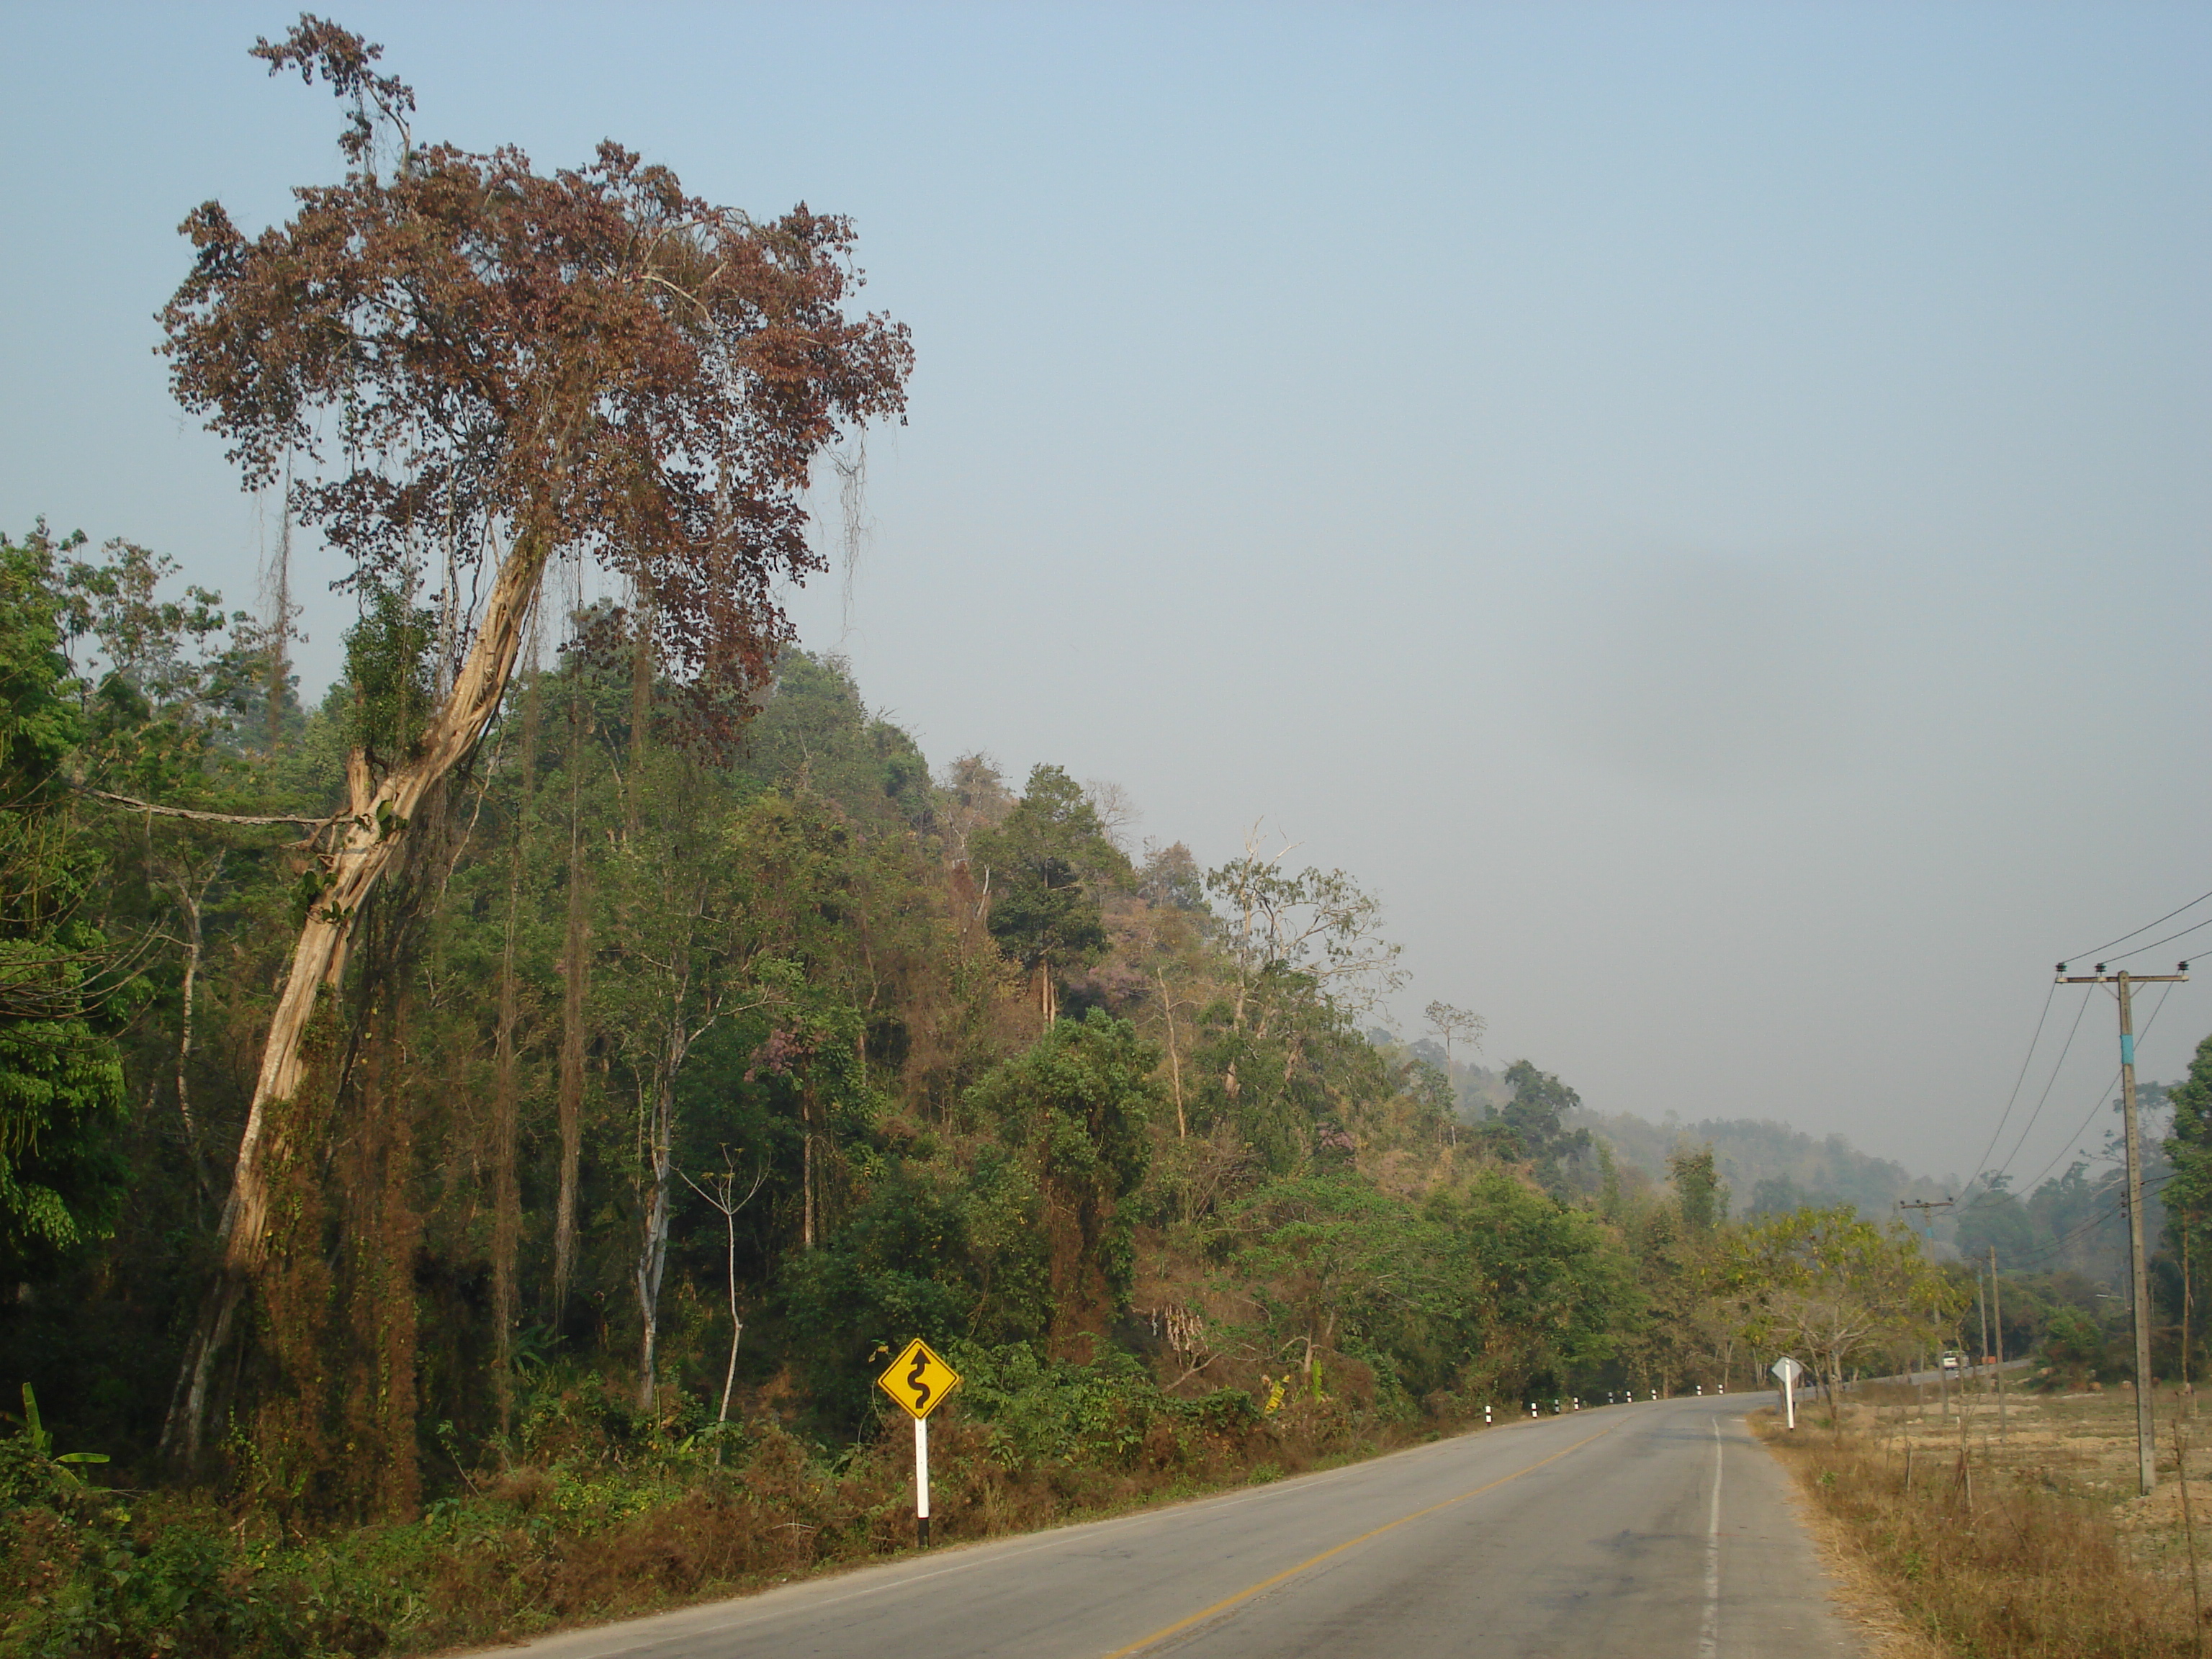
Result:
{"points": [[1855, 1589]]}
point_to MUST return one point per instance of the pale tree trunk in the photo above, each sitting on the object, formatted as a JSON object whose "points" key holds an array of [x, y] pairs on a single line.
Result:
{"points": [[572, 1023], [194, 942], [1175, 1062], [371, 844], [280, 595], [737, 1325], [723, 1196], [674, 1046], [506, 1198], [652, 1256]]}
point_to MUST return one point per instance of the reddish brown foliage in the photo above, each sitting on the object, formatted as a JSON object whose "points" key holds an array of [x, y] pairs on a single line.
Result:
{"points": [[591, 359]]}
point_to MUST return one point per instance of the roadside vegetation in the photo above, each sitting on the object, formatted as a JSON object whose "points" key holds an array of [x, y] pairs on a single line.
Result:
{"points": [[600, 1513], [2021, 1535]]}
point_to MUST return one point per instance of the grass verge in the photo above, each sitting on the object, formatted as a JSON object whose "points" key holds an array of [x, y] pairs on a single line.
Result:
{"points": [[2011, 1543]]}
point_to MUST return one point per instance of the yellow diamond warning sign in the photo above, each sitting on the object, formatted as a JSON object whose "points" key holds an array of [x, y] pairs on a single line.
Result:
{"points": [[918, 1379]]}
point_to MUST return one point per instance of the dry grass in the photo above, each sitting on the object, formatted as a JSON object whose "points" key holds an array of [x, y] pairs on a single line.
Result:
{"points": [[2022, 1538]]}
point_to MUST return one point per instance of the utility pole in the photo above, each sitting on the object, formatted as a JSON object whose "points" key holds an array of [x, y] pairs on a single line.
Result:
{"points": [[1981, 1307], [1928, 1206], [1997, 1309], [1925, 1205], [2145, 1430]]}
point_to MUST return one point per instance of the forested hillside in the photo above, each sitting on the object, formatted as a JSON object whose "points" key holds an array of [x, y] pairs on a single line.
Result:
{"points": [[958, 1063], [679, 1071], [2073, 1222], [1769, 1167]]}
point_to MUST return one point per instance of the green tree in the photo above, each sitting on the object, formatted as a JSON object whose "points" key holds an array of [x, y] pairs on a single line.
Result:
{"points": [[1331, 1264], [1048, 865], [61, 1075], [1551, 1296], [1837, 1288], [2189, 1143], [666, 982], [2076, 1346], [1531, 1127], [1995, 1216], [1077, 1108], [1697, 1190]]}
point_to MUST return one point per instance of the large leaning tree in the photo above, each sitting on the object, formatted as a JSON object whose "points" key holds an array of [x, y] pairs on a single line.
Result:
{"points": [[453, 357]]}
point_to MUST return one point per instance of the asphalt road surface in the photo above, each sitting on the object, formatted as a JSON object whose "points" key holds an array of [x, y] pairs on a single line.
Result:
{"points": [[1648, 1529]]}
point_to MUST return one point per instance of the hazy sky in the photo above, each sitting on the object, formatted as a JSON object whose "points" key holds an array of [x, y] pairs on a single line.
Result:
{"points": [[1703, 508]]}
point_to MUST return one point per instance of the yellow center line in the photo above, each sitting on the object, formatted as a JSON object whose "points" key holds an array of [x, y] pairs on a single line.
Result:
{"points": [[1250, 1591]]}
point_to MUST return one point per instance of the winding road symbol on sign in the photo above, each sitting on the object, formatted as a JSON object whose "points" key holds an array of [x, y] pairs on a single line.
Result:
{"points": [[918, 1380]]}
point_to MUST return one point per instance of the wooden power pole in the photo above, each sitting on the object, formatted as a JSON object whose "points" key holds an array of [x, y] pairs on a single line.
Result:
{"points": [[1997, 1310], [1925, 1205], [1928, 1206], [1927, 1212], [2125, 982]]}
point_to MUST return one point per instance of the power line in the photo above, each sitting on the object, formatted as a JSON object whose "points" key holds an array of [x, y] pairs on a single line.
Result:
{"points": [[1982, 1166], [2155, 943], [2053, 1248], [2101, 1104], [2145, 928], [2103, 1096], [2057, 1065], [2043, 1255], [2158, 1008], [2103, 1100], [2013, 1099], [2049, 1248]]}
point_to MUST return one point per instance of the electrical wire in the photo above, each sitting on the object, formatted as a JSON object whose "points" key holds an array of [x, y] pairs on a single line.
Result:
{"points": [[2155, 943], [2058, 1249], [2082, 955], [2056, 1066], [2052, 1248], [2103, 1095], [2157, 1008], [1982, 1167], [2013, 1099], [2070, 1149]]}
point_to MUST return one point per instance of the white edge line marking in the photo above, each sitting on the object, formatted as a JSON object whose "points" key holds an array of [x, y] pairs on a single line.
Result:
{"points": [[1709, 1638]]}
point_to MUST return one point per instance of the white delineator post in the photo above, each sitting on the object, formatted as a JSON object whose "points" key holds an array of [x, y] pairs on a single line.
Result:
{"points": [[1785, 1370], [921, 1480]]}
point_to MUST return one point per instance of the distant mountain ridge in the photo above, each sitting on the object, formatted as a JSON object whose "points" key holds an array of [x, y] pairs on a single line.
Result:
{"points": [[1768, 1166]]}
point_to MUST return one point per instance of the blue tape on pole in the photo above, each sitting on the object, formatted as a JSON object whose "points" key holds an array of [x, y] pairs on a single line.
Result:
{"points": [[2127, 1048]]}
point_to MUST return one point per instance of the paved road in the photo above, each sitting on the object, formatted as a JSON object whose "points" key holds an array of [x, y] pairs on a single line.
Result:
{"points": [[1642, 1530]]}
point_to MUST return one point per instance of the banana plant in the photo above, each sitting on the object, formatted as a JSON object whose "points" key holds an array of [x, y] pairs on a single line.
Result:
{"points": [[42, 1444]]}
